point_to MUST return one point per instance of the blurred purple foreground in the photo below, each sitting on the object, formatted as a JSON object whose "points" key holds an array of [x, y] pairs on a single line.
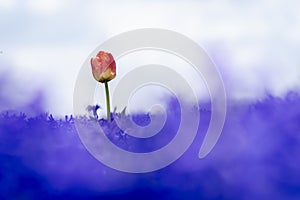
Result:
{"points": [[257, 157]]}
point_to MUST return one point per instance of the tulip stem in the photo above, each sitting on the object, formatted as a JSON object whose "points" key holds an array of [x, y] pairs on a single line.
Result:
{"points": [[107, 101]]}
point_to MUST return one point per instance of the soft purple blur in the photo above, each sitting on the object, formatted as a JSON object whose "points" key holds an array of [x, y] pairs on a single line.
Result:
{"points": [[257, 157]]}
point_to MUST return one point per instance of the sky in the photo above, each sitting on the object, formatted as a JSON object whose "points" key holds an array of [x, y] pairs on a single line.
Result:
{"points": [[43, 44]]}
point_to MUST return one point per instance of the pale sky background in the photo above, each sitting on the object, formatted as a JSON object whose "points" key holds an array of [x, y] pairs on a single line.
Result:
{"points": [[43, 43]]}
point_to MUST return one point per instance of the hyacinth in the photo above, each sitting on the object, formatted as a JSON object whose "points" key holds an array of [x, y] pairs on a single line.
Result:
{"points": [[256, 157]]}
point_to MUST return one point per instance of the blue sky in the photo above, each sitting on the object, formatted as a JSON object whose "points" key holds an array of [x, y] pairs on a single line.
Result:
{"points": [[44, 43]]}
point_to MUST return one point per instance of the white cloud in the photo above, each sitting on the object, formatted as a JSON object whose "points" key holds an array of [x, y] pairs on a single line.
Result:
{"points": [[47, 6], [7, 4], [53, 69], [260, 39]]}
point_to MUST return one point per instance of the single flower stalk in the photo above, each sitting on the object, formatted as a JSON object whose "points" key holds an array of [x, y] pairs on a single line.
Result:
{"points": [[104, 70]]}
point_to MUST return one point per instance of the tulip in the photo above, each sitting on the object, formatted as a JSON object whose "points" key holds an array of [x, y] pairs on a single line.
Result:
{"points": [[104, 70]]}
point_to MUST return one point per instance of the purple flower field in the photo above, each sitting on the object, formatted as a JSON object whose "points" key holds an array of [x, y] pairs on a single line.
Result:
{"points": [[257, 157]]}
